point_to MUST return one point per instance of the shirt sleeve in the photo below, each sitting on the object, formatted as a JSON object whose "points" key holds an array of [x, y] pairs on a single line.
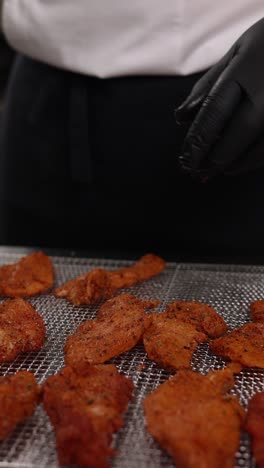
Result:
{"points": [[1, 9]]}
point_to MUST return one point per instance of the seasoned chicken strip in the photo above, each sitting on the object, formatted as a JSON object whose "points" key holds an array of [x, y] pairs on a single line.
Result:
{"points": [[202, 316], [257, 310], [21, 329], [118, 305], [193, 418], [99, 284], [244, 345], [120, 325], [171, 342], [255, 427], [19, 394], [32, 275], [85, 408]]}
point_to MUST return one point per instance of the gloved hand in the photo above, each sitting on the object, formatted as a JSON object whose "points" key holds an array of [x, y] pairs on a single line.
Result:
{"points": [[225, 111]]}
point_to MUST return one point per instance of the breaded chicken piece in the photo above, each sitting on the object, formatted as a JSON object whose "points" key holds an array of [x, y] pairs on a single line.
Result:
{"points": [[255, 427], [19, 394], [85, 407], [146, 267], [32, 275], [244, 345], [193, 418], [21, 329], [100, 284], [120, 325], [257, 310], [202, 316], [118, 305], [171, 342]]}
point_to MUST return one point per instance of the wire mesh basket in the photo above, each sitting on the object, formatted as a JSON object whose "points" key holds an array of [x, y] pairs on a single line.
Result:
{"points": [[228, 288]]}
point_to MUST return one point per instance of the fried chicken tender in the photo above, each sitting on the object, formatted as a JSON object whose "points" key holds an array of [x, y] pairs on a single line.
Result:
{"points": [[244, 345], [202, 316], [171, 342], [21, 329], [257, 310], [117, 306], [32, 275], [85, 407], [119, 325], [193, 418], [19, 394], [99, 284], [255, 427]]}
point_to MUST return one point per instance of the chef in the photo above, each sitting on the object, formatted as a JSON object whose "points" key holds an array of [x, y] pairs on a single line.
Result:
{"points": [[134, 126]]}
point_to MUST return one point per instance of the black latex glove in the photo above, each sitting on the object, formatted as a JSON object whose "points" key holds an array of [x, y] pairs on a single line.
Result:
{"points": [[225, 111]]}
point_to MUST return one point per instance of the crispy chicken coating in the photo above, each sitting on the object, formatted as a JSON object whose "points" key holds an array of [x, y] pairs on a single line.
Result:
{"points": [[257, 310], [146, 267], [119, 325], [100, 284], [244, 345], [85, 407], [193, 418], [19, 394], [202, 316], [171, 342], [21, 329], [255, 427], [118, 306], [32, 275]]}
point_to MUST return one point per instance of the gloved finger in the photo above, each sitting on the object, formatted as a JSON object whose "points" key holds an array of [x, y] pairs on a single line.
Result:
{"points": [[216, 111], [252, 159], [187, 110], [242, 130]]}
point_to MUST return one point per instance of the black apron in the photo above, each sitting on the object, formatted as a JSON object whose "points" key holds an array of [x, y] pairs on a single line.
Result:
{"points": [[89, 163]]}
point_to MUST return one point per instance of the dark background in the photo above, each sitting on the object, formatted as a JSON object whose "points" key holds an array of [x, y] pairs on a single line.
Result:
{"points": [[6, 58]]}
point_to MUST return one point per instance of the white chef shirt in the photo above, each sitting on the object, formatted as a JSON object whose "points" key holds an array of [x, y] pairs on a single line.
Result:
{"points": [[128, 37]]}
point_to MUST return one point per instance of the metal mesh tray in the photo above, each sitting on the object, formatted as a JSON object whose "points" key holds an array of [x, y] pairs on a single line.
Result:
{"points": [[228, 288]]}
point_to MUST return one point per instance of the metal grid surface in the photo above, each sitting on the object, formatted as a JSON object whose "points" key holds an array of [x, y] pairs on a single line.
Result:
{"points": [[228, 288]]}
